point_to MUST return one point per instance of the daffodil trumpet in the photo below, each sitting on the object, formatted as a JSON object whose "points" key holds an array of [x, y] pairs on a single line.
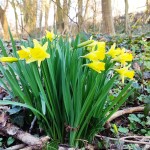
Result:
{"points": [[125, 72]]}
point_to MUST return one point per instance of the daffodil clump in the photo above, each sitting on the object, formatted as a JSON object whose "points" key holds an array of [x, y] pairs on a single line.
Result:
{"points": [[66, 88], [119, 55]]}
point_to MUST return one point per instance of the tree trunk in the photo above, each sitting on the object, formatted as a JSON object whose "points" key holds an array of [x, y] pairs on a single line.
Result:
{"points": [[65, 16], [86, 9], [108, 24], [126, 17], [59, 17], [4, 22], [94, 15], [30, 14], [80, 17], [41, 15], [148, 6], [16, 16], [47, 7]]}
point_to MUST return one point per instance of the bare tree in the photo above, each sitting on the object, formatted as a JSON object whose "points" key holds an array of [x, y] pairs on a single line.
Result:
{"points": [[3, 20], [59, 17], [29, 10], [13, 4], [126, 16], [80, 17], [108, 24], [47, 7], [65, 15]]}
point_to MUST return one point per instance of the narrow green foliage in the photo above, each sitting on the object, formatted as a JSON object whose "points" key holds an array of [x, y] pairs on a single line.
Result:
{"points": [[69, 100]]}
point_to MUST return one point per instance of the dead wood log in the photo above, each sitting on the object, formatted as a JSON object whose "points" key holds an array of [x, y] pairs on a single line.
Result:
{"points": [[126, 141], [30, 140], [123, 112]]}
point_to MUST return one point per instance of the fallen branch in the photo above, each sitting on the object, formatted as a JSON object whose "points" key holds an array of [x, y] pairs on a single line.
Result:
{"points": [[123, 112], [25, 137], [123, 140], [16, 147]]}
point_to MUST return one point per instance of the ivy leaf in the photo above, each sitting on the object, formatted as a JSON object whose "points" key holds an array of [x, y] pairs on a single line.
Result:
{"points": [[10, 141], [147, 109], [134, 118], [123, 130]]}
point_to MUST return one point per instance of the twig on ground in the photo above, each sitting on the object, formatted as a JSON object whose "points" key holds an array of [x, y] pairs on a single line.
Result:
{"points": [[135, 136], [123, 112], [16, 147], [32, 124], [123, 140]]}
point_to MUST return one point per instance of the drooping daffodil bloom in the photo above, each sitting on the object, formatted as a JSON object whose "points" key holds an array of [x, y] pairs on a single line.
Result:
{"points": [[24, 53], [95, 55], [99, 54], [38, 52], [96, 65], [114, 52], [124, 72], [50, 35], [8, 59], [123, 58]]}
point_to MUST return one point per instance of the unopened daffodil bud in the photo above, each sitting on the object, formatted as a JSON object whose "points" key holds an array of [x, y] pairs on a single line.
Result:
{"points": [[8, 59]]}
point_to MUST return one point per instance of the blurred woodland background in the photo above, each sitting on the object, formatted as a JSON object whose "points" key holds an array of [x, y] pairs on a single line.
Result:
{"points": [[32, 17]]}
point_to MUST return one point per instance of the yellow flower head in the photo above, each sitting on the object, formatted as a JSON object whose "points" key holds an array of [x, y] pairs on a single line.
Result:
{"points": [[101, 46], [114, 52], [8, 59], [123, 58], [124, 72], [38, 53], [95, 55], [97, 66], [50, 35], [24, 53]]}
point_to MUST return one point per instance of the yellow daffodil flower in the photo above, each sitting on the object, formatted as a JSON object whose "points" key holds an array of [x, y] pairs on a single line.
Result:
{"points": [[24, 53], [49, 35], [95, 45], [114, 52], [95, 55], [38, 53], [101, 46], [123, 58], [97, 66], [8, 59], [124, 72]]}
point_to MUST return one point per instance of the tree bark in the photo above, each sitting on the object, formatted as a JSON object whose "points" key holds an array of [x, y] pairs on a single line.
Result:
{"points": [[16, 16], [65, 16], [126, 17], [4, 23], [47, 7], [59, 17], [29, 10], [80, 17], [108, 24]]}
